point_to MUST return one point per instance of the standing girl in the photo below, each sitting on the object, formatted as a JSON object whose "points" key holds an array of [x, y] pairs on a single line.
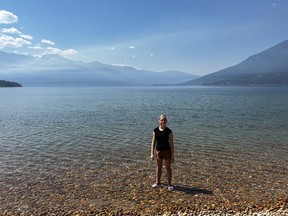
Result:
{"points": [[162, 141]]}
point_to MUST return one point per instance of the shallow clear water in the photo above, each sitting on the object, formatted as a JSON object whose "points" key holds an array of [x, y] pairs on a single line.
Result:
{"points": [[221, 129], [80, 120]]}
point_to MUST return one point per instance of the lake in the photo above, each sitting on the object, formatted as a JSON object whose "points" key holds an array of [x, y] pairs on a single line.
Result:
{"points": [[241, 131]]}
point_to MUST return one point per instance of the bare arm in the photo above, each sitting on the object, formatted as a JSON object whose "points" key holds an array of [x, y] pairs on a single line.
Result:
{"points": [[153, 146], [171, 142]]}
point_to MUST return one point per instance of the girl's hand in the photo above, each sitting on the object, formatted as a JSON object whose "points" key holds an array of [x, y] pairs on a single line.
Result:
{"points": [[152, 157]]}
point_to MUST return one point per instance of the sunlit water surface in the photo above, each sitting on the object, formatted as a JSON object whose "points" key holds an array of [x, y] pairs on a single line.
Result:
{"points": [[229, 129]]}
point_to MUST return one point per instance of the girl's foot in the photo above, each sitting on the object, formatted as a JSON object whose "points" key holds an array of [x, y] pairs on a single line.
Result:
{"points": [[170, 188], [156, 185]]}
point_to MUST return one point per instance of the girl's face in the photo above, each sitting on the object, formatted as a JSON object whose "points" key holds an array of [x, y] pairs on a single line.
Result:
{"points": [[162, 121]]}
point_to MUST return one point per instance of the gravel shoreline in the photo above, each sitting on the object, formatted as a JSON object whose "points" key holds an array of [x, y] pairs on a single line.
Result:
{"points": [[122, 186]]}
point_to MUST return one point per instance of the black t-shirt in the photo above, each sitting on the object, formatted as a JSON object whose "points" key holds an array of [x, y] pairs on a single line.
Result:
{"points": [[162, 138]]}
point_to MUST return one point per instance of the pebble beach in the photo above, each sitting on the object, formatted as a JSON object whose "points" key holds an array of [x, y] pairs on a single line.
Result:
{"points": [[121, 185]]}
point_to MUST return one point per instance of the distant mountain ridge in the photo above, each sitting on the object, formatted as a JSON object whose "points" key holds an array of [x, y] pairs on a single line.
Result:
{"points": [[55, 70], [269, 67]]}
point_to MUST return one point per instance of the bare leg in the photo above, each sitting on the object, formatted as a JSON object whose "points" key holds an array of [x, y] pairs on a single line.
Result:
{"points": [[169, 171], [159, 170]]}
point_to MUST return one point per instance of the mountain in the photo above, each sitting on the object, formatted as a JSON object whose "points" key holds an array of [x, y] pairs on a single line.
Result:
{"points": [[55, 70], [11, 58], [269, 67]]}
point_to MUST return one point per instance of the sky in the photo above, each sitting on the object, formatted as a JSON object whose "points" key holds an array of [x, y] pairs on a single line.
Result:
{"points": [[194, 36]]}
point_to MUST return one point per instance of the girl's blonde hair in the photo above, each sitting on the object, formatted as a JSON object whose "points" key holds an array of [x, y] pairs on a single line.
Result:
{"points": [[163, 117]]}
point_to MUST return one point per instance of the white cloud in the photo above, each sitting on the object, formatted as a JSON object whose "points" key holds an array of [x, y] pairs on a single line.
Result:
{"points": [[112, 48], [7, 17], [70, 52], [53, 50], [44, 41], [121, 65], [8, 41], [35, 47], [10, 31], [132, 47], [12, 37], [15, 31], [27, 37]]}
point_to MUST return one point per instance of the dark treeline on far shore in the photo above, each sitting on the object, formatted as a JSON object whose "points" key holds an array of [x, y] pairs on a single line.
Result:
{"points": [[4, 83]]}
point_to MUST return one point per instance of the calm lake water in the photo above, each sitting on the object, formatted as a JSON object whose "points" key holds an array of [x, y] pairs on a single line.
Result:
{"points": [[79, 120], [54, 128]]}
